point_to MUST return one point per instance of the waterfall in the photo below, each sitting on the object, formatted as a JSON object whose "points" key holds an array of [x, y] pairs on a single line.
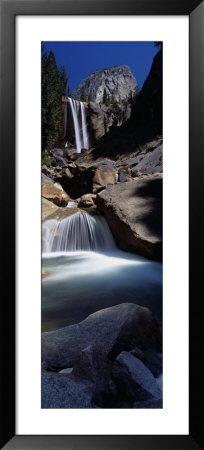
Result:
{"points": [[80, 126], [76, 233], [84, 127], [65, 120]]}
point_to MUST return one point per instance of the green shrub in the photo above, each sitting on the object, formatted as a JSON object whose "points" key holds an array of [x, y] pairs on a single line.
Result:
{"points": [[117, 157], [46, 159]]}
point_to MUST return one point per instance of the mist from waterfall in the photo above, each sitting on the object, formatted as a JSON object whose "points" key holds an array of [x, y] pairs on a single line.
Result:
{"points": [[80, 125], [79, 232]]}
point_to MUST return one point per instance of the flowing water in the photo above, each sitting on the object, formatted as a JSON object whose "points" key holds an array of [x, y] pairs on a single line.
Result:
{"points": [[80, 125], [85, 272]]}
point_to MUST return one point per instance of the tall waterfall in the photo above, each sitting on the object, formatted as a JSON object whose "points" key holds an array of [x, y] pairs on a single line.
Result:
{"points": [[75, 233], [80, 126]]}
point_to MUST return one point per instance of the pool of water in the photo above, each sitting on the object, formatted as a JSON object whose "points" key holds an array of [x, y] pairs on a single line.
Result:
{"points": [[76, 284]]}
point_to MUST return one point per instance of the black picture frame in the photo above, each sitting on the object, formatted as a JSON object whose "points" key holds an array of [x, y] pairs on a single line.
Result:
{"points": [[9, 9]]}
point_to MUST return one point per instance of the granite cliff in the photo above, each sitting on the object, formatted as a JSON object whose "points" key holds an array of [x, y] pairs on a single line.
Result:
{"points": [[118, 81]]}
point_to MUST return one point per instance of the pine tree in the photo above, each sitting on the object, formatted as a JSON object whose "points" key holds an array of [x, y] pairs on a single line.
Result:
{"points": [[90, 97], [104, 96], [83, 94], [113, 100], [51, 101], [64, 80], [130, 97]]}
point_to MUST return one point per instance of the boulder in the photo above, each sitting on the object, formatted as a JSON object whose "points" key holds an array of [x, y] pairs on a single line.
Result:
{"points": [[57, 152], [46, 180], [134, 378], [56, 212], [151, 358], [133, 211], [72, 166], [104, 173], [111, 330], [93, 366], [59, 161], [64, 391], [87, 201], [66, 172], [44, 169], [48, 209], [55, 193], [124, 174]]}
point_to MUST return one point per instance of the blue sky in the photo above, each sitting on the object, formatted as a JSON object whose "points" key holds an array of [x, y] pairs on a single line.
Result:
{"points": [[83, 58]]}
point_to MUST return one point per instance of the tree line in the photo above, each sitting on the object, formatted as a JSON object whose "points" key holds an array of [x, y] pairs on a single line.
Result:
{"points": [[54, 85]]}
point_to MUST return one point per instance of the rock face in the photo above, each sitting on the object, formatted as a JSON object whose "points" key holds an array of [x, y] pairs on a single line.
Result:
{"points": [[148, 105], [101, 118], [117, 81], [108, 331], [133, 211]]}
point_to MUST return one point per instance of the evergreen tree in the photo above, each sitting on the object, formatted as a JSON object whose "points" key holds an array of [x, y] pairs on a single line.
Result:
{"points": [[83, 94], [130, 98], [113, 100], [104, 96], [90, 97], [64, 80], [51, 101]]}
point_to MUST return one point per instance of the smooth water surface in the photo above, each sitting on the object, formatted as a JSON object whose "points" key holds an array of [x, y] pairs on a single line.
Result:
{"points": [[78, 283]]}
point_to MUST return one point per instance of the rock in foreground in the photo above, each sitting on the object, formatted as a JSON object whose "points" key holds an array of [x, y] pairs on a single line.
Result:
{"points": [[135, 378], [111, 330]]}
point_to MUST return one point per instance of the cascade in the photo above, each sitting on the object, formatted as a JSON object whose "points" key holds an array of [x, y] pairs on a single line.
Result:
{"points": [[79, 232], [80, 125]]}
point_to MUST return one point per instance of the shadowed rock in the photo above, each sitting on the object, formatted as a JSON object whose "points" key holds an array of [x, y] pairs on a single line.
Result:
{"points": [[134, 378], [111, 330], [133, 211]]}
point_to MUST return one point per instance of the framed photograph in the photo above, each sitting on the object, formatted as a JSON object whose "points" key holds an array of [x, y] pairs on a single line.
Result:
{"points": [[100, 98]]}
